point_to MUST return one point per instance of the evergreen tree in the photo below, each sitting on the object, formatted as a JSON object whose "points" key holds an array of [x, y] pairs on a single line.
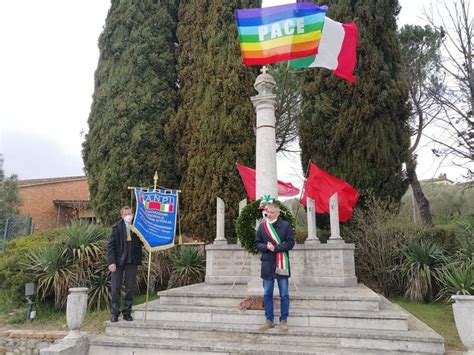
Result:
{"points": [[360, 132], [9, 196], [420, 55], [215, 120], [287, 108], [134, 99]]}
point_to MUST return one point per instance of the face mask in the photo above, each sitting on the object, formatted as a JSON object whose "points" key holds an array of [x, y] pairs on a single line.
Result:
{"points": [[128, 218]]}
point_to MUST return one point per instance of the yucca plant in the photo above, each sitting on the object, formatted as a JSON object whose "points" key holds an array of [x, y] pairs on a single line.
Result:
{"points": [[54, 272], [188, 265], [99, 285], [160, 270], [456, 279], [85, 241], [421, 261]]}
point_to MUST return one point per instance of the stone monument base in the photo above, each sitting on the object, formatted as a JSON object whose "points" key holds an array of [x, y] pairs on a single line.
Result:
{"points": [[311, 265]]}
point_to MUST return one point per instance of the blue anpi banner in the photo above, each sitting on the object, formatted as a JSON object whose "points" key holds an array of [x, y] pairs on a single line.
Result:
{"points": [[155, 217]]}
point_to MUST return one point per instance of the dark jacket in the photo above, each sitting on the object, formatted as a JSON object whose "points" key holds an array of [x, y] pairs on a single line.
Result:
{"points": [[117, 244], [268, 258]]}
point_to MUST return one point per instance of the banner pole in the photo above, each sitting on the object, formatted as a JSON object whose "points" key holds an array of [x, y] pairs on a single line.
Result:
{"points": [[178, 214], [155, 180], [148, 283]]}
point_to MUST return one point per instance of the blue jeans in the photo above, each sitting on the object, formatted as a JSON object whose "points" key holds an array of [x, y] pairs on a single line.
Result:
{"points": [[284, 298]]}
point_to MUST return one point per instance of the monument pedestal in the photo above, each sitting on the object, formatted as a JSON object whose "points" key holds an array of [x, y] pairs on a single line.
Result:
{"points": [[316, 264]]}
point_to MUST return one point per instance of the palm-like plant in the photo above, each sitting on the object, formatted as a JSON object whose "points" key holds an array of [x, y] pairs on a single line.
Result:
{"points": [[85, 241], [160, 270], [421, 261], [99, 285], [188, 266], [456, 279], [54, 271]]}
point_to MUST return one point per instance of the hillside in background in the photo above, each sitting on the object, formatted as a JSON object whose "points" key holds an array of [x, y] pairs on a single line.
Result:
{"points": [[447, 202]]}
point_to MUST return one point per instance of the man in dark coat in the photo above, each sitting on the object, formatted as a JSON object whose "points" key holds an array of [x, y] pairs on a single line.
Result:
{"points": [[274, 239], [124, 254]]}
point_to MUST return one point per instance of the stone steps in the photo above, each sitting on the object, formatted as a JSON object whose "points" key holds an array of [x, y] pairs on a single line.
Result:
{"points": [[206, 319], [304, 339], [325, 298], [119, 345], [383, 319]]}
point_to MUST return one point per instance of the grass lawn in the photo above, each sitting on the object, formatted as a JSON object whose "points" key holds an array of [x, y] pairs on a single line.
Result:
{"points": [[50, 318], [439, 316]]}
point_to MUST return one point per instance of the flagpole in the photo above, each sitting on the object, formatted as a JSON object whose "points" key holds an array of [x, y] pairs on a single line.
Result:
{"points": [[148, 283], [302, 192], [178, 216]]}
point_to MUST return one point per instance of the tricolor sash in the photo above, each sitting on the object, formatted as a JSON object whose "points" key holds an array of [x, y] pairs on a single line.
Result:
{"points": [[282, 260]]}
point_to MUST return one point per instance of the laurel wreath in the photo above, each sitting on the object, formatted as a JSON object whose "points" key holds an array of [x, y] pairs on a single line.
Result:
{"points": [[245, 224]]}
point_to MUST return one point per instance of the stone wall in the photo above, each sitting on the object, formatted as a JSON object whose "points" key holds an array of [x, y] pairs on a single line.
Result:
{"points": [[26, 342]]}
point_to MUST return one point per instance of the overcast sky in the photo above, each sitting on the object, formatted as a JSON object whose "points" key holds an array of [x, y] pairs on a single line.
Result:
{"points": [[48, 57]]}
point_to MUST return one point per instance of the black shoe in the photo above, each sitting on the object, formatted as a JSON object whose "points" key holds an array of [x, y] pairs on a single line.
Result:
{"points": [[128, 317], [114, 319]]}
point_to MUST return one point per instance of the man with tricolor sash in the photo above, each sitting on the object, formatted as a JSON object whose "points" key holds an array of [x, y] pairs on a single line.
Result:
{"points": [[275, 238]]}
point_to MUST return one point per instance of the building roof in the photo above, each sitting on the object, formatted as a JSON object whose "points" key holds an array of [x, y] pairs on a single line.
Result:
{"points": [[45, 181], [439, 179], [72, 203]]}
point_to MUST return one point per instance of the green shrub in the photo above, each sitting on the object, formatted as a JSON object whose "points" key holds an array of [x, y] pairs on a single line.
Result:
{"points": [[75, 260], [99, 284], [466, 239], [380, 233], [13, 270], [446, 235], [54, 271], [301, 233], [456, 279], [421, 263], [85, 241], [160, 271], [188, 265]]}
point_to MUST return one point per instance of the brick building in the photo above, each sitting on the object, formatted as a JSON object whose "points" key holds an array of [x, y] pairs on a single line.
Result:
{"points": [[55, 201]]}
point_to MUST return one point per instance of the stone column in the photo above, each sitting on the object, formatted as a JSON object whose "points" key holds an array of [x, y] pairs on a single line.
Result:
{"points": [[334, 217], [266, 167], [311, 218], [242, 205], [220, 222]]}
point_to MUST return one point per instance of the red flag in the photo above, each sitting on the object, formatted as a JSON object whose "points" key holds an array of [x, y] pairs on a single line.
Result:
{"points": [[320, 186], [248, 177]]}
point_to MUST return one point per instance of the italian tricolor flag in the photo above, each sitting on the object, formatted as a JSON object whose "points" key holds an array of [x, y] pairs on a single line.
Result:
{"points": [[336, 51], [163, 207]]}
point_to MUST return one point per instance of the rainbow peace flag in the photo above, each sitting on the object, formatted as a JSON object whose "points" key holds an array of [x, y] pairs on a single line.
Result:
{"points": [[280, 33]]}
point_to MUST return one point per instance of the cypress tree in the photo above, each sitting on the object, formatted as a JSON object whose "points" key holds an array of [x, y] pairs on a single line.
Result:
{"points": [[134, 99], [360, 132], [214, 124], [9, 195]]}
